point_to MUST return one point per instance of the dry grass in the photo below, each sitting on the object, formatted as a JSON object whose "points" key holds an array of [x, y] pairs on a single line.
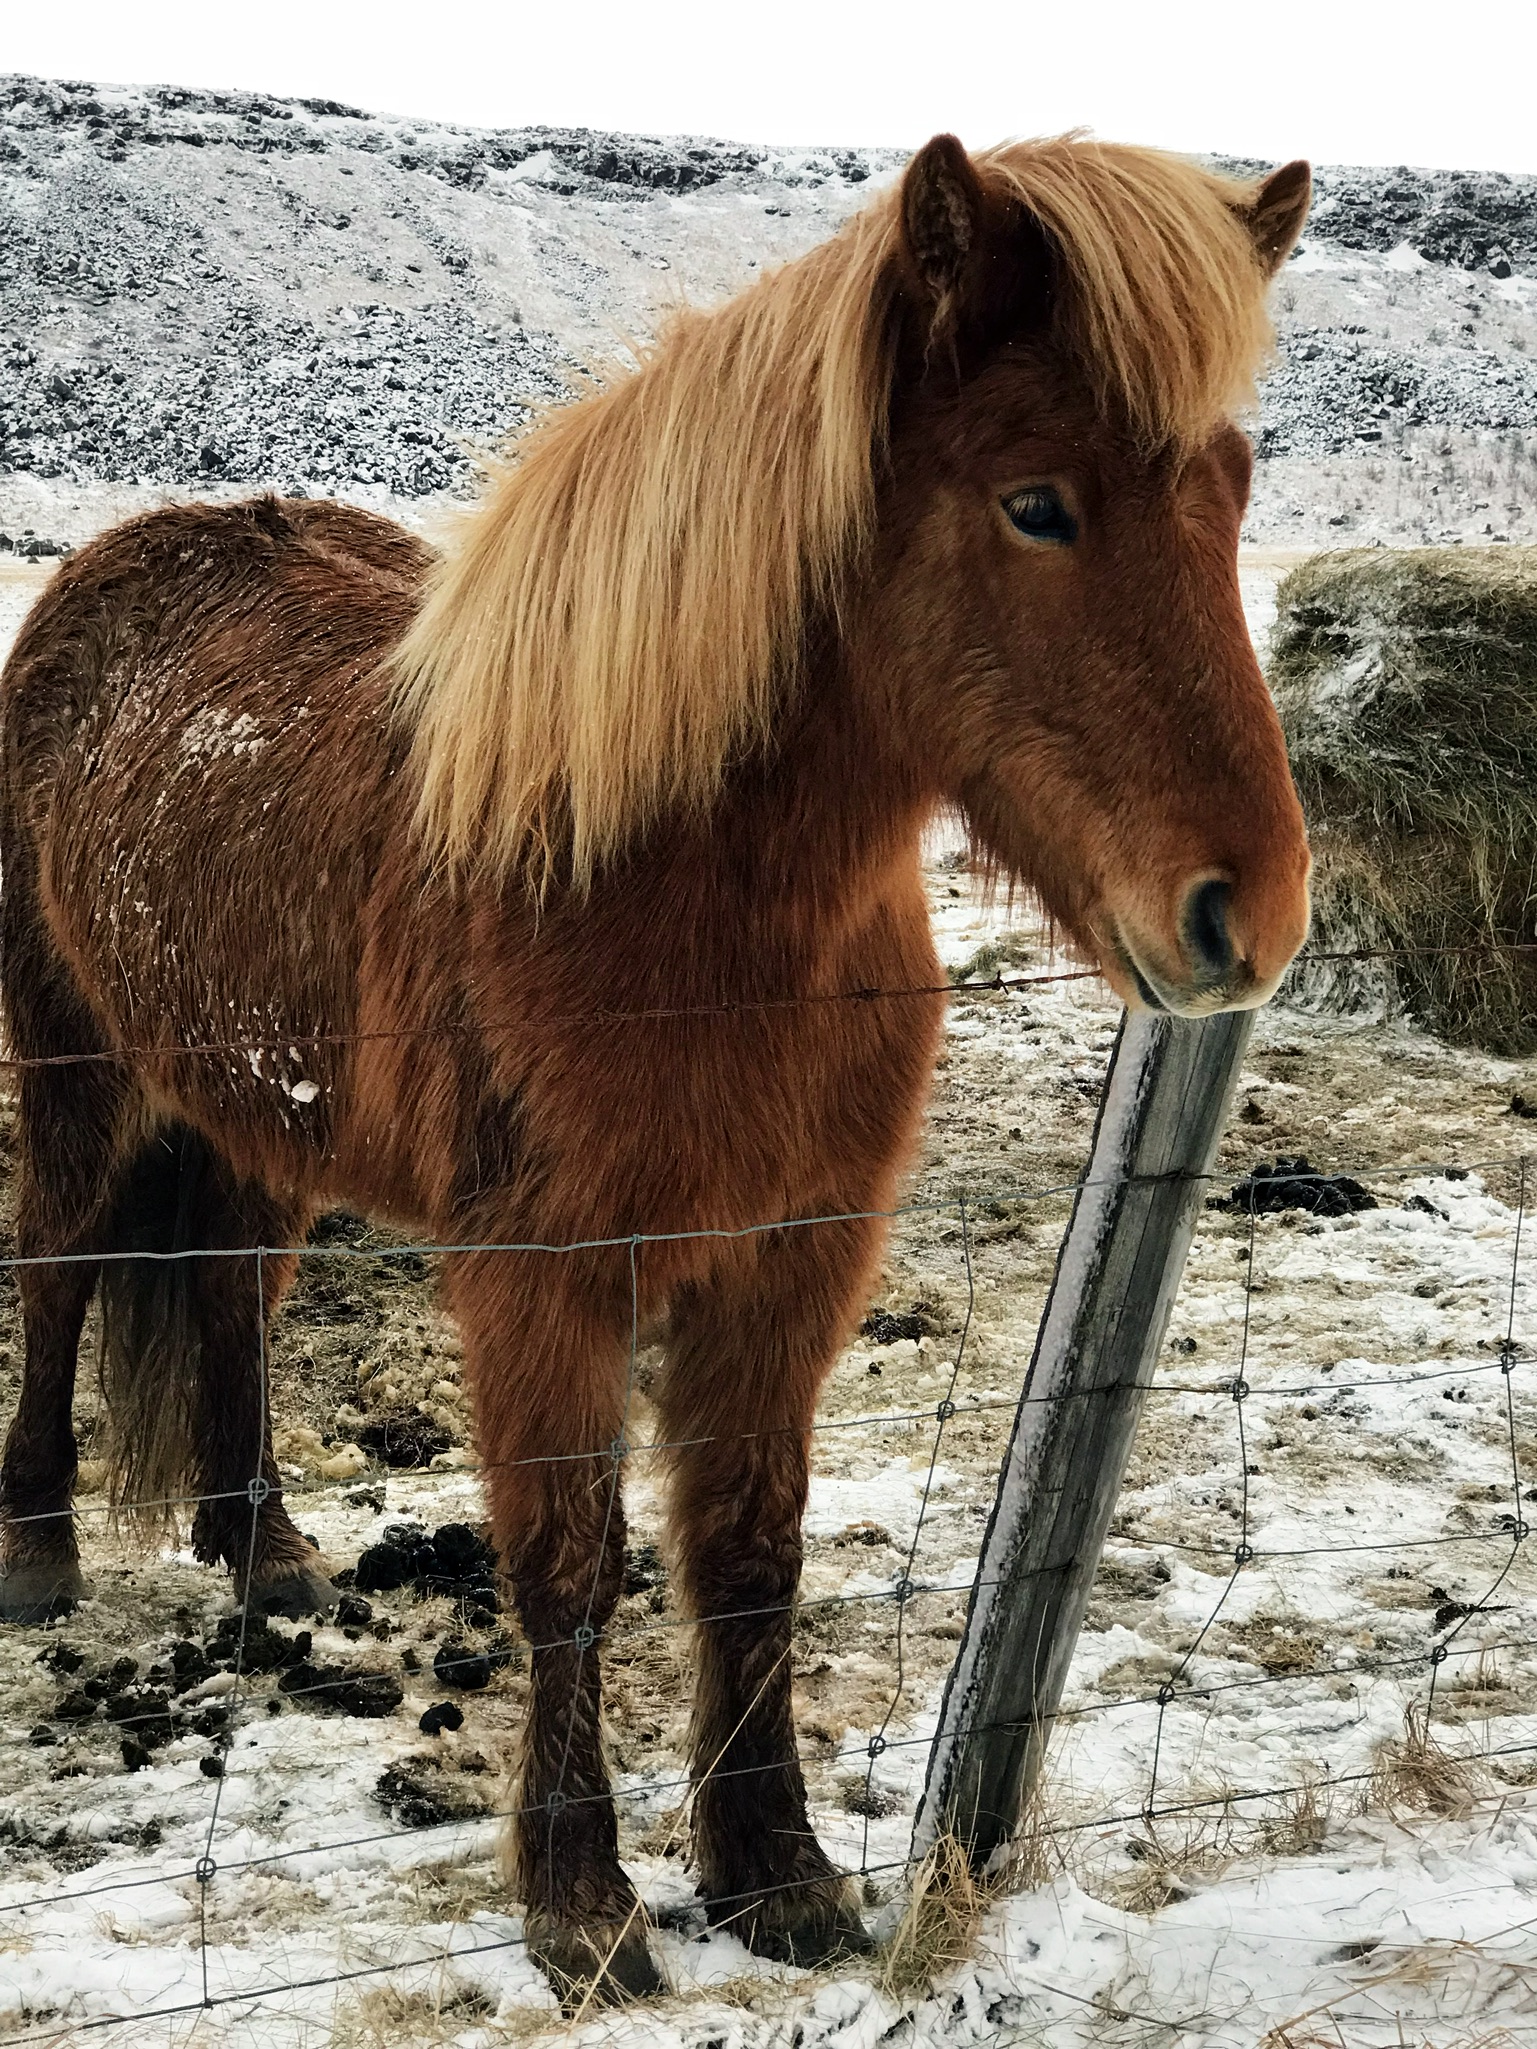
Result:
{"points": [[1277, 1644], [1432, 1967], [1171, 1852], [944, 1914], [947, 1899], [1481, 1691], [1039, 1852], [454, 1892], [1301, 1824], [1320, 2030], [1414, 1774], [386, 2019]]}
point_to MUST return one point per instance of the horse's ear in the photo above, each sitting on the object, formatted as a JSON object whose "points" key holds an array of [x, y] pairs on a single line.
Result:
{"points": [[974, 266], [944, 219], [1274, 216]]}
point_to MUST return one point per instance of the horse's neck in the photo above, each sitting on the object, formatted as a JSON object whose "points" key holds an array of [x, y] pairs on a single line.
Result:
{"points": [[824, 830]]}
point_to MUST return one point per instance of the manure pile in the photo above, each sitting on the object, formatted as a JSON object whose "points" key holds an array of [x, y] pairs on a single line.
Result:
{"points": [[1407, 685]]}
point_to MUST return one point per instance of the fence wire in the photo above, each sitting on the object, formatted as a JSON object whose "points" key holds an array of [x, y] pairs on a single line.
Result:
{"points": [[291, 1043], [899, 1729]]}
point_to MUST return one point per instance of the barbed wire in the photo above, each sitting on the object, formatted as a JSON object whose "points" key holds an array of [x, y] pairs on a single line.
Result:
{"points": [[650, 1790], [905, 1590], [732, 1007], [943, 1413], [205, 1868], [1243, 1550], [250, 1994], [290, 1043], [948, 1407]]}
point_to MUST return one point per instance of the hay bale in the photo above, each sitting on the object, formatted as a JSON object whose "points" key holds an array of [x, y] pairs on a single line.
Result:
{"points": [[1407, 685]]}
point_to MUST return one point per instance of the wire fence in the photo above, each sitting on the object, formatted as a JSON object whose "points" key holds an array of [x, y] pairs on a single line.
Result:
{"points": [[901, 1730]]}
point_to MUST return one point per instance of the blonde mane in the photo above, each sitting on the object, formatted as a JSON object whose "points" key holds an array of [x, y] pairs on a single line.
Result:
{"points": [[620, 616]]}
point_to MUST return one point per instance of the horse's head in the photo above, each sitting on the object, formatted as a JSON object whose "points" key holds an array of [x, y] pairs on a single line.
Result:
{"points": [[1055, 630]]}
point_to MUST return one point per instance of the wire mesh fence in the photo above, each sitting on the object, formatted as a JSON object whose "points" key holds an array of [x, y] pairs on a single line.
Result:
{"points": [[1222, 1618]]}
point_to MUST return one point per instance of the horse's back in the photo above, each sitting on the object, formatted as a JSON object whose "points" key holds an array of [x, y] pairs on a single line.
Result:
{"points": [[200, 768], [172, 610]]}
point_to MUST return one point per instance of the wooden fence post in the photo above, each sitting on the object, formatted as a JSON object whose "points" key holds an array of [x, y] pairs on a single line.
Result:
{"points": [[1163, 1111]]}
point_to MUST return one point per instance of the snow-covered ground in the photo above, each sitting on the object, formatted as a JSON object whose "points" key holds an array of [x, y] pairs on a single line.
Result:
{"points": [[1379, 1886], [20, 584]]}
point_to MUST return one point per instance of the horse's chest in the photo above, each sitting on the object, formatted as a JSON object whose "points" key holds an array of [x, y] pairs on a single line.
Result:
{"points": [[743, 1118]]}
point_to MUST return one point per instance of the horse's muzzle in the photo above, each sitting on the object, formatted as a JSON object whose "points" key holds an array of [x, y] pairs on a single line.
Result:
{"points": [[1211, 969]]}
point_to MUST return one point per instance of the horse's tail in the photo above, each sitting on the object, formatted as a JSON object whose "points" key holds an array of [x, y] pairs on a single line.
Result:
{"points": [[152, 1335]]}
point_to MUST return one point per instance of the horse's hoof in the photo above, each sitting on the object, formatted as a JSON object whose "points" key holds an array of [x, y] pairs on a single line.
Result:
{"points": [[30, 1594], [297, 1594], [605, 1965], [837, 1940], [809, 1927]]}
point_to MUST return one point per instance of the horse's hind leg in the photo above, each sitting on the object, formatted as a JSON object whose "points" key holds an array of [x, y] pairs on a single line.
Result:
{"points": [[40, 1573], [546, 1344], [68, 1122], [746, 1359]]}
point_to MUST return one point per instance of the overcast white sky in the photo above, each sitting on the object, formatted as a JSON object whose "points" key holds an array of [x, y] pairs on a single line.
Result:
{"points": [[1353, 81]]}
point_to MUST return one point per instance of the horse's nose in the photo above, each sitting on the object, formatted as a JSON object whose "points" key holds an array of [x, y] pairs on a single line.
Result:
{"points": [[1206, 932], [1222, 953]]}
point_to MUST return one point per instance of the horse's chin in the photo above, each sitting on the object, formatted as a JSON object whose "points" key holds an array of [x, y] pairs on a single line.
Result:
{"points": [[1142, 986]]}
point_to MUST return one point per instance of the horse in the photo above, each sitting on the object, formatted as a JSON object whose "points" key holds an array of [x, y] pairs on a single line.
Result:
{"points": [[516, 892]]}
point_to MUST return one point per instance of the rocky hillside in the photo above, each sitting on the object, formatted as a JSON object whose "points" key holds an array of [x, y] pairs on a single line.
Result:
{"points": [[213, 290]]}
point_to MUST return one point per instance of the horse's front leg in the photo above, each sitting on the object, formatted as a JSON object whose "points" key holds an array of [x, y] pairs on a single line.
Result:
{"points": [[546, 1358], [749, 1353]]}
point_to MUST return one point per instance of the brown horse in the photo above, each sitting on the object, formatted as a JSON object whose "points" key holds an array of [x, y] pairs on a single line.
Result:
{"points": [[945, 513]]}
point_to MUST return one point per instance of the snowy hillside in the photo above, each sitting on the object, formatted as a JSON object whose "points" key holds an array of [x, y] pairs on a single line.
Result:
{"points": [[214, 290]]}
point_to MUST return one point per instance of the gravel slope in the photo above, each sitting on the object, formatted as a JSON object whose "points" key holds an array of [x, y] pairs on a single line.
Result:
{"points": [[211, 290]]}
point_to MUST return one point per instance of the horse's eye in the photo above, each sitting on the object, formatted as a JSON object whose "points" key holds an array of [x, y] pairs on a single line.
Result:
{"points": [[1040, 514]]}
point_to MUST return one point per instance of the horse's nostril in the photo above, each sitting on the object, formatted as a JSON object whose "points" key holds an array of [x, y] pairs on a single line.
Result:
{"points": [[1207, 938]]}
